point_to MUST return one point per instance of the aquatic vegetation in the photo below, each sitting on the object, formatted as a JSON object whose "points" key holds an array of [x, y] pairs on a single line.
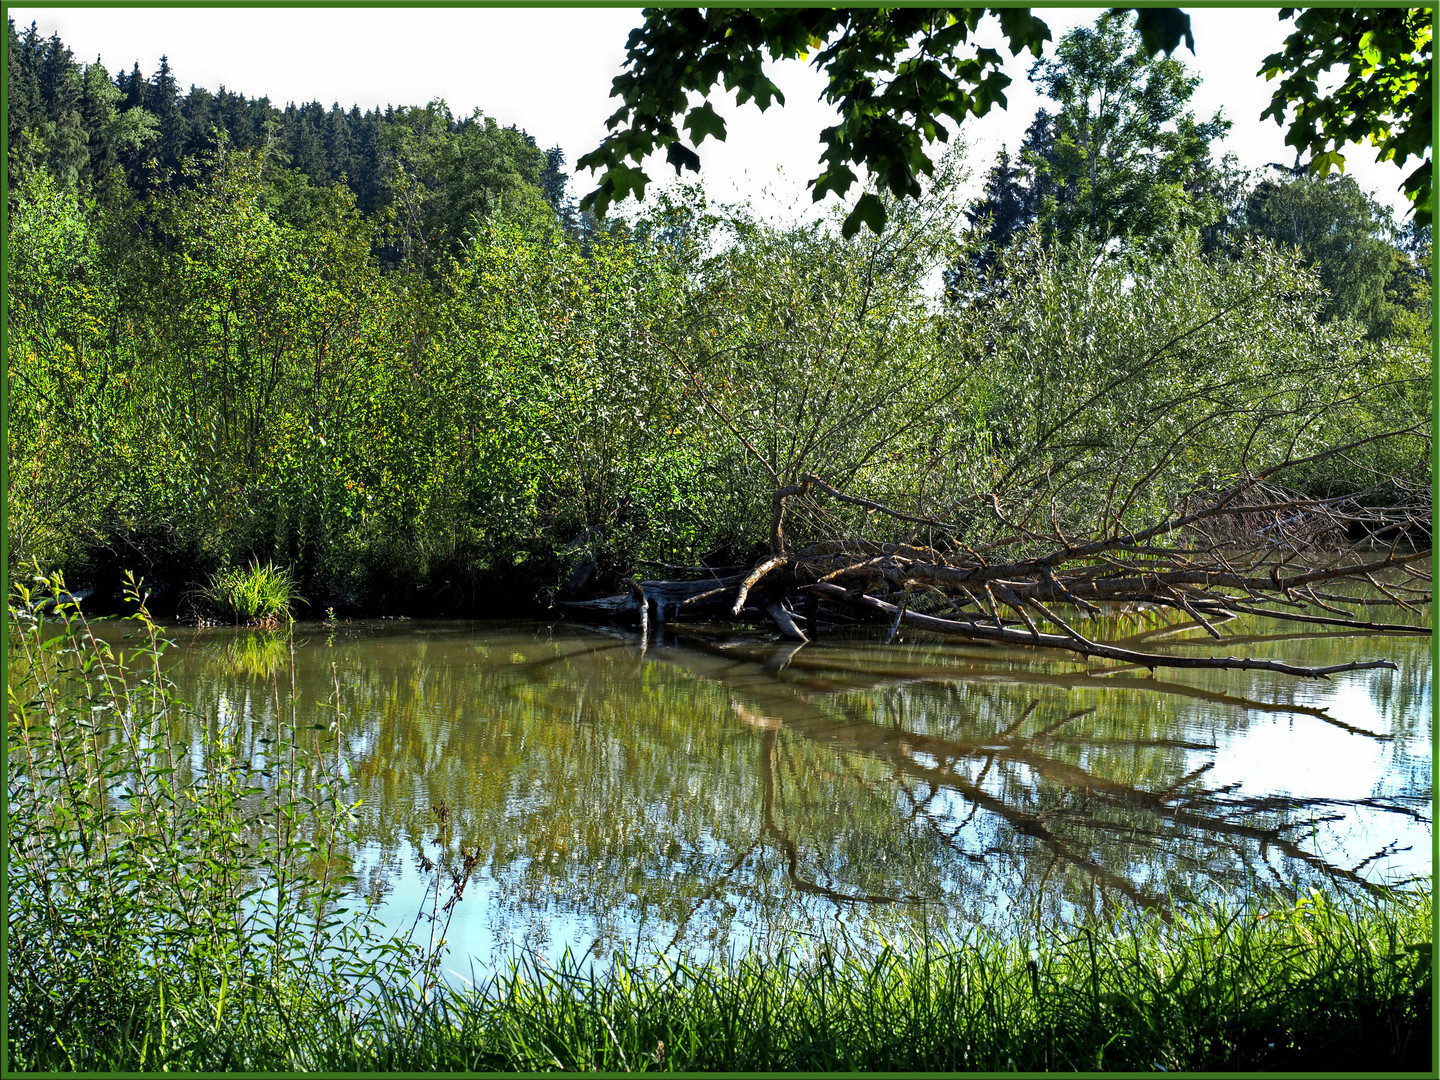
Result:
{"points": [[258, 594], [257, 655]]}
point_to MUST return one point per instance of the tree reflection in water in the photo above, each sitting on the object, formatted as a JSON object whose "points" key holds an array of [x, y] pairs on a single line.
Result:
{"points": [[713, 791]]}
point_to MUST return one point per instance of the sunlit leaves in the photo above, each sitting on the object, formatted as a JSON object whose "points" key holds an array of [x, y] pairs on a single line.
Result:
{"points": [[1385, 97], [1124, 156], [1118, 385], [703, 121]]}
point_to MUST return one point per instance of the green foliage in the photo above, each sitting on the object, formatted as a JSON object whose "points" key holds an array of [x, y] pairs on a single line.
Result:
{"points": [[565, 419], [1349, 241], [1007, 204], [66, 381], [233, 374], [1385, 97], [895, 74], [806, 352], [1117, 387], [257, 594], [445, 174], [116, 141], [254, 341], [1313, 985], [169, 906], [67, 120], [417, 384], [1123, 156]]}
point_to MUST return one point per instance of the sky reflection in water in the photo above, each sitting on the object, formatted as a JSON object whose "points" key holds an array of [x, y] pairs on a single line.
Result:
{"points": [[716, 793]]}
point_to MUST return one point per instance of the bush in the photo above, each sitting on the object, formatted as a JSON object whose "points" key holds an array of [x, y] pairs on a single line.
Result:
{"points": [[168, 911]]}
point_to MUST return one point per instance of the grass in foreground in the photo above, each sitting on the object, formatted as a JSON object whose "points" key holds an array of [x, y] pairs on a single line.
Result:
{"points": [[1317, 986], [160, 921]]}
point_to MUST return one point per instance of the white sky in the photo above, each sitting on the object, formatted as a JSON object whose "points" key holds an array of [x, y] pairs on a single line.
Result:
{"points": [[549, 72]]}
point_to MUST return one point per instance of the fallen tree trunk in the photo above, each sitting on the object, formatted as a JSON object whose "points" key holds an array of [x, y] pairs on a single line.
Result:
{"points": [[1076, 643], [1190, 563]]}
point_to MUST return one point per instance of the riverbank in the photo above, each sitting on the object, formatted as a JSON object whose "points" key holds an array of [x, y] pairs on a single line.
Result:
{"points": [[1320, 985]]}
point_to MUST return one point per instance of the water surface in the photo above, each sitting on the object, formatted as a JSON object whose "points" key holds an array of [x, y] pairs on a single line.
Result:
{"points": [[714, 792]]}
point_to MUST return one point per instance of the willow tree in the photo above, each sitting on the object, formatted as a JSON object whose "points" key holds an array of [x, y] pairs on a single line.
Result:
{"points": [[1092, 431]]}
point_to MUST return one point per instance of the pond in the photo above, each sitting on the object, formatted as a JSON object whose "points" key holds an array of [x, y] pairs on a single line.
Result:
{"points": [[715, 791]]}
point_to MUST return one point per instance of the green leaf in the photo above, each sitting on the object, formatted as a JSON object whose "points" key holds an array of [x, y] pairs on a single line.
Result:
{"points": [[1021, 29], [837, 179], [870, 210], [682, 157], [1162, 29], [703, 121]]}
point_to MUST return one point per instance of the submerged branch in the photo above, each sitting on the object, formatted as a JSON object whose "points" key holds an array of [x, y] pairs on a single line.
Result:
{"points": [[1091, 648]]}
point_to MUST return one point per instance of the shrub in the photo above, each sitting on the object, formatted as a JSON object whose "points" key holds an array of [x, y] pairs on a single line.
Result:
{"points": [[168, 908]]}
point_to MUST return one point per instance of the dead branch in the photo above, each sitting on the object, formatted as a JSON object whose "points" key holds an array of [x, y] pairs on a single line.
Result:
{"points": [[1106, 652], [1249, 548], [743, 593]]}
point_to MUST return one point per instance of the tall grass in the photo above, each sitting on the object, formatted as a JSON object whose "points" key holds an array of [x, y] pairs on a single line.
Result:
{"points": [[1320, 985], [263, 595], [176, 907], [168, 904]]}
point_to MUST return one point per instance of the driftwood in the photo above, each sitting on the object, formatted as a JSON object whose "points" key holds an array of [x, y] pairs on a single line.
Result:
{"points": [[1248, 550]]}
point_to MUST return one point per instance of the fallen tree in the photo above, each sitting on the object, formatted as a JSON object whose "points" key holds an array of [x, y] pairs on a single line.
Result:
{"points": [[1078, 433], [1252, 549]]}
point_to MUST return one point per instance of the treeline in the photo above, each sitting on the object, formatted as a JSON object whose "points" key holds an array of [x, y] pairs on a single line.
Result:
{"points": [[445, 389], [1123, 158], [115, 140]]}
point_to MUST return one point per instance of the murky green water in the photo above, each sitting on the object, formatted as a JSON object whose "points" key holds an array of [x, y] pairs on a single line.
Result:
{"points": [[712, 792]]}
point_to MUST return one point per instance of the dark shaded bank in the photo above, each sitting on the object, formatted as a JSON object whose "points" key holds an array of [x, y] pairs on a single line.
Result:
{"points": [[525, 583], [174, 579]]}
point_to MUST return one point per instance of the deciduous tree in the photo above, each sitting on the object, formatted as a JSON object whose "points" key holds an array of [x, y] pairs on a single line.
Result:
{"points": [[898, 75]]}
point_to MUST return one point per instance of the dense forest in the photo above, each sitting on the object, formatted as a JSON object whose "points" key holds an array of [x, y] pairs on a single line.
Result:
{"points": [[385, 350]]}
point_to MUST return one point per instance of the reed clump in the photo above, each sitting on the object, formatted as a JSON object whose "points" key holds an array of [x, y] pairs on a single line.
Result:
{"points": [[183, 908], [255, 595]]}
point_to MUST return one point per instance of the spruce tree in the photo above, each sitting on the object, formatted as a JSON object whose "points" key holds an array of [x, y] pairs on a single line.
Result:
{"points": [[25, 111], [555, 186], [1002, 210], [59, 78]]}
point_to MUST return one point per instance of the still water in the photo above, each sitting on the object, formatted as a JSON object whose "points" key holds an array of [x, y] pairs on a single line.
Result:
{"points": [[713, 792]]}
